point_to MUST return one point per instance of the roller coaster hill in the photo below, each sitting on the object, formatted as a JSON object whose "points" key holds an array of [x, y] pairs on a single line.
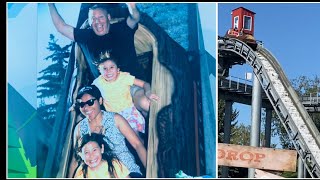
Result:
{"points": [[239, 46]]}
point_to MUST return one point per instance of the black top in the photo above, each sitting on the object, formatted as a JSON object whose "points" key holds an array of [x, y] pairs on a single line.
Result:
{"points": [[120, 40]]}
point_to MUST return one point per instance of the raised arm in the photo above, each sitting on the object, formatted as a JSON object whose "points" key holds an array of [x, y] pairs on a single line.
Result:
{"points": [[132, 138], [61, 26], [134, 15]]}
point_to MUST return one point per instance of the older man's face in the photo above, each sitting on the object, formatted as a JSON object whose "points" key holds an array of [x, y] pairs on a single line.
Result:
{"points": [[99, 20]]}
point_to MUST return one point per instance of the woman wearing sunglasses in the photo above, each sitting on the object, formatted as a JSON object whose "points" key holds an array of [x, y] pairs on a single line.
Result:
{"points": [[112, 125]]}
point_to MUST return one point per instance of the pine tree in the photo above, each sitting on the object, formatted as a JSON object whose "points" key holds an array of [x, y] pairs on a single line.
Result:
{"points": [[53, 76], [233, 171], [221, 114]]}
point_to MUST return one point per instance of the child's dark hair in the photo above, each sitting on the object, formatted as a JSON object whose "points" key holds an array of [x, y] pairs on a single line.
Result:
{"points": [[105, 56], [107, 154]]}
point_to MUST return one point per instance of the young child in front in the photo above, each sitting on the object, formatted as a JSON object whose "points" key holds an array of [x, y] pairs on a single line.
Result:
{"points": [[98, 160], [114, 86]]}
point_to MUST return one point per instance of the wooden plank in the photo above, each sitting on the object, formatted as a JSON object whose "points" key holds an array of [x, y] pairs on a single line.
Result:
{"points": [[162, 84], [257, 157], [264, 174]]}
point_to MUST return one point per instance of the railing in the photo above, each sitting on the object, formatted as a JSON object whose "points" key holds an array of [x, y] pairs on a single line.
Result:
{"points": [[243, 85], [312, 100], [236, 83]]}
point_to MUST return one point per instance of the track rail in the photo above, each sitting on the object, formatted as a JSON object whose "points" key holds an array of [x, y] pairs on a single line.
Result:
{"points": [[296, 120]]}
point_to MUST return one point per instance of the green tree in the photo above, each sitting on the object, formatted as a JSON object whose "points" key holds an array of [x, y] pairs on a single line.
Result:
{"points": [[221, 114], [306, 86], [240, 135], [233, 171], [52, 77]]}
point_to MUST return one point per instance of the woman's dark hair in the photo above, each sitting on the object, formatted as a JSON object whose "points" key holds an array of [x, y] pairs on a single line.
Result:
{"points": [[107, 154]]}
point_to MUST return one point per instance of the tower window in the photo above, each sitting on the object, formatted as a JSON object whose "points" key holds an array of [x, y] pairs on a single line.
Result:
{"points": [[247, 23], [236, 22]]}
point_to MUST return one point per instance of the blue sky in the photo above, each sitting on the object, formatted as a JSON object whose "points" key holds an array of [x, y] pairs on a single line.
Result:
{"points": [[21, 57], [29, 26], [69, 12], [208, 24], [288, 30]]}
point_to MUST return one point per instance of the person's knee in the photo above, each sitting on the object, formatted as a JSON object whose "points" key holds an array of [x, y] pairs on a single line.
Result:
{"points": [[138, 94], [144, 103], [141, 101]]}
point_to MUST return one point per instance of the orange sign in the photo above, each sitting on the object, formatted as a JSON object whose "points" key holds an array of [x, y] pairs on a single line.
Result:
{"points": [[257, 157]]}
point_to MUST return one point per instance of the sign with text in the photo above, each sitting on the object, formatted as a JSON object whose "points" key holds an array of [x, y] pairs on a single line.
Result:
{"points": [[257, 157]]}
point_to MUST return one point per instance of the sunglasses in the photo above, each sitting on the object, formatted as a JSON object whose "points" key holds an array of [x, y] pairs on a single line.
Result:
{"points": [[89, 102]]}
